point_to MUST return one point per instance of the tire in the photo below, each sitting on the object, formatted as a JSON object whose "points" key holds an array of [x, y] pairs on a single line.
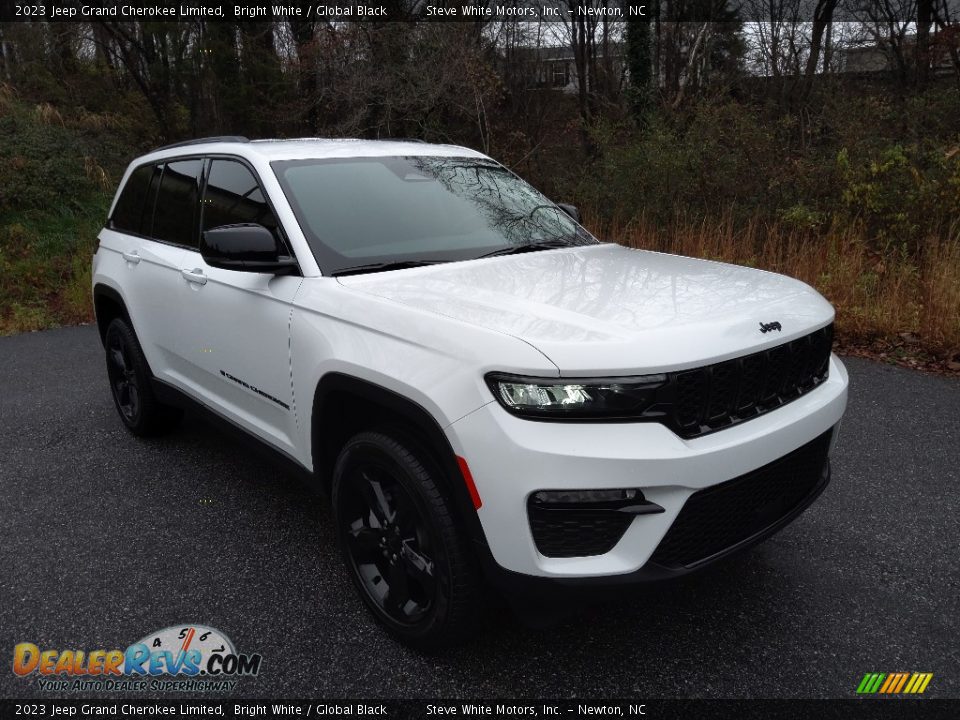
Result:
{"points": [[400, 542], [129, 377]]}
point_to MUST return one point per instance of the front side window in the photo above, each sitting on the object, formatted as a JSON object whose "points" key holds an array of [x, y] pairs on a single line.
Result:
{"points": [[356, 212], [175, 218], [234, 196]]}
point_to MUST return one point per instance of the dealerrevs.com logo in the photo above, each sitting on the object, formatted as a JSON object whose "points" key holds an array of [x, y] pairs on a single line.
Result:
{"points": [[182, 658]]}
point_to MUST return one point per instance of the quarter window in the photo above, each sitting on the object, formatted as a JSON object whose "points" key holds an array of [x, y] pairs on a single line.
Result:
{"points": [[134, 210]]}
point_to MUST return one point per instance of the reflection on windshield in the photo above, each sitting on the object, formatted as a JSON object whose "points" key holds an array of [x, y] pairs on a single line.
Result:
{"points": [[384, 210]]}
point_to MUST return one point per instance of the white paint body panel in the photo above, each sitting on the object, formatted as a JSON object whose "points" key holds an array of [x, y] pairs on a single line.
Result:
{"points": [[147, 288], [431, 334], [237, 325], [607, 309]]}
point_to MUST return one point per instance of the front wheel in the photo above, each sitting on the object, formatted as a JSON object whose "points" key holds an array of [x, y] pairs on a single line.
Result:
{"points": [[400, 542]]}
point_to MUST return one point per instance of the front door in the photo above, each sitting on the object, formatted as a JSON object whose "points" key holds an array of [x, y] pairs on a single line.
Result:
{"points": [[235, 329]]}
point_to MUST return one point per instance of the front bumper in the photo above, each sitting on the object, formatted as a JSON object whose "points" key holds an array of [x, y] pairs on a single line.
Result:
{"points": [[511, 458]]}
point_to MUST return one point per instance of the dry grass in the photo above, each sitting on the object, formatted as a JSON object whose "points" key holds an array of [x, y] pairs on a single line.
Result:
{"points": [[876, 296], [47, 114], [940, 295]]}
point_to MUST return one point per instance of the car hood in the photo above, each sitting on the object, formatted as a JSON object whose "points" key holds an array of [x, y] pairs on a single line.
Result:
{"points": [[609, 309]]}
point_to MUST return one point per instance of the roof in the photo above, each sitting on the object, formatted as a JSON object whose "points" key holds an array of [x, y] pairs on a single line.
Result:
{"points": [[313, 148]]}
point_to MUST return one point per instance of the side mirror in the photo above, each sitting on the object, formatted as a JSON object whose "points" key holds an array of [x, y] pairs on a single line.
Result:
{"points": [[570, 210], [247, 248]]}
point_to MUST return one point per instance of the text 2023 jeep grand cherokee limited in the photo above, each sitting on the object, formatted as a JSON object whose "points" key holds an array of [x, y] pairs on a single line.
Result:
{"points": [[487, 391]]}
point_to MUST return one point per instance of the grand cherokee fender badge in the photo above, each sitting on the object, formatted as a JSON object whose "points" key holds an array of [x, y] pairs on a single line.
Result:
{"points": [[767, 327], [253, 389]]}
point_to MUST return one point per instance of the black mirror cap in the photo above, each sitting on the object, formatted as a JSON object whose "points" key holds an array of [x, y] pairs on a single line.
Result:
{"points": [[245, 247], [570, 210]]}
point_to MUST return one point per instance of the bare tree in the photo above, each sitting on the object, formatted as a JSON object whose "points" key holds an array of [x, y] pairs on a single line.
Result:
{"points": [[888, 23], [947, 39], [153, 56], [822, 21]]}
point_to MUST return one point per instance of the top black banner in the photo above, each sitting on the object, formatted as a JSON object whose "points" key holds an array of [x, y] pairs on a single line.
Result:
{"points": [[531, 11], [506, 709]]}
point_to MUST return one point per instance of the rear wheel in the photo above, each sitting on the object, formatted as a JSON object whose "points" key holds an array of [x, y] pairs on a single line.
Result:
{"points": [[129, 378], [401, 544]]}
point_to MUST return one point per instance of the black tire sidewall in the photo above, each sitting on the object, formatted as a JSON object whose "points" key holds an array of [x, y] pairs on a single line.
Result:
{"points": [[118, 328], [382, 449], [153, 417]]}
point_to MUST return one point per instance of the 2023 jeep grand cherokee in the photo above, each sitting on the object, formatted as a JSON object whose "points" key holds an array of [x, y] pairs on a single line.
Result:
{"points": [[487, 391]]}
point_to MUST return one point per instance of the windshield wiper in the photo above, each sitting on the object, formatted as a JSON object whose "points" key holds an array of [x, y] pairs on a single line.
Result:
{"points": [[383, 266], [529, 247]]}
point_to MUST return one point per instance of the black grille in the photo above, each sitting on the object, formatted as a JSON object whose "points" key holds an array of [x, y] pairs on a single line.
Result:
{"points": [[716, 396], [576, 533], [718, 518]]}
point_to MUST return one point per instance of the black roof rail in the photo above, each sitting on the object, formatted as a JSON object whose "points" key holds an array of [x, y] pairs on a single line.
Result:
{"points": [[201, 141], [402, 139]]}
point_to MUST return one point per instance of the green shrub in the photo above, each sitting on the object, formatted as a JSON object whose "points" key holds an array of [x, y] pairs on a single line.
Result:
{"points": [[902, 193], [54, 194]]}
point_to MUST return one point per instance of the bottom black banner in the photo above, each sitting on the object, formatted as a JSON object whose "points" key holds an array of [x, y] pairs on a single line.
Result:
{"points": [[639, 708]]}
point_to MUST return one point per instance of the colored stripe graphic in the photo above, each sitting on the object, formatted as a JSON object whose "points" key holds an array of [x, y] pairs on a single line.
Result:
{"points": [[870, 683], [894, 683], [903, 679], [918, 683], [877, 679]]}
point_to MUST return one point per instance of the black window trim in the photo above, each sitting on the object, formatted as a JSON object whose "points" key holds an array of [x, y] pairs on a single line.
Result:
{"points": [[207, 159], [152, 192]]}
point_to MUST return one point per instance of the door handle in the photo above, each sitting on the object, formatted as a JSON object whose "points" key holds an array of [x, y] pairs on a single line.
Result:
{"points": [[131, 257], [195, 276]]}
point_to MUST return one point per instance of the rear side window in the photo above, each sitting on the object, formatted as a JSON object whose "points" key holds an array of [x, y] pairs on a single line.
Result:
{"points": [[175, 220], [135, 207], [233, 196]]}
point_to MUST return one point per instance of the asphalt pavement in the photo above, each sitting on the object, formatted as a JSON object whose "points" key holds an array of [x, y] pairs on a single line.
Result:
{"points": [[105, 537]]}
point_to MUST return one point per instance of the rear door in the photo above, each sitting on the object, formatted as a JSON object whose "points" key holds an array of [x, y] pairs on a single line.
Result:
{"points": [[234, 339], [148, 272]]}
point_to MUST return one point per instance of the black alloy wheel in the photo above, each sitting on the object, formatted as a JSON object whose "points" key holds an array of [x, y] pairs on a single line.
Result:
{"points": [[130, 384], [389, 543], [400, 541], [123, 377]]}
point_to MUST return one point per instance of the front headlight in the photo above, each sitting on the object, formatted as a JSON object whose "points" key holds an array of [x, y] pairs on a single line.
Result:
{"points": [[626, 398]]}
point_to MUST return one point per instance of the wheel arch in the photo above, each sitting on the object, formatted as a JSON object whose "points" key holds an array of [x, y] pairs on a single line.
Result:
{"points": [[344, 405], [108, 304]]}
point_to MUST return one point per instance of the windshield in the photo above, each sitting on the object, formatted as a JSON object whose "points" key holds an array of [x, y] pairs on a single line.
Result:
{"points": [[373, 211]]}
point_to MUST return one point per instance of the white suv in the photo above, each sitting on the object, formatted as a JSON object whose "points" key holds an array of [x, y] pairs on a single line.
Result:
{"points": [[486, 391]]}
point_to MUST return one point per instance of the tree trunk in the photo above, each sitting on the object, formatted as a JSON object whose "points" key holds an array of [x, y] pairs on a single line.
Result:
{"points": [[304, 37], [922, 49], [822, 17], [639, 63]]}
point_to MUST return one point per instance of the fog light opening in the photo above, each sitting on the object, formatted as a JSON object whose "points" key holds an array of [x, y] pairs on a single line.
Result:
{"points": [[629, 500]]}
